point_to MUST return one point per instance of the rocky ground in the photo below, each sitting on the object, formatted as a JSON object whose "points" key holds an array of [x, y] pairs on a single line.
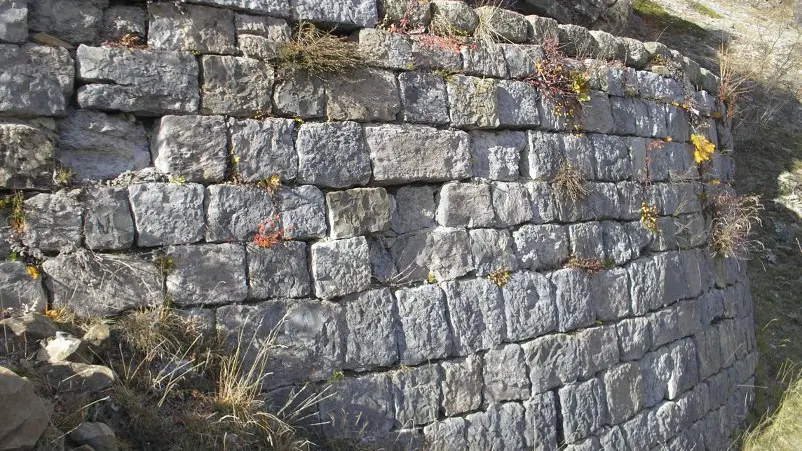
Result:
{"points": [[761, 42]]}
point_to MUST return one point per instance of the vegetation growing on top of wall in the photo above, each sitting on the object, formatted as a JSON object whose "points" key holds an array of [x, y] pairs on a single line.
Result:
{"points": [[318, 52]]}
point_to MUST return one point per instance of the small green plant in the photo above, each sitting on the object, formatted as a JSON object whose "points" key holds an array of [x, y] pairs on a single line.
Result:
{"points": [[649, 217], [317, 52], [14, 205], [336, 376], [704, 10], [63, 176], [569, 183], [164, 264], [177, 179], [733, 218], [431, 278], [702, 148], [566, 89], [270, 184], [499, 277]]}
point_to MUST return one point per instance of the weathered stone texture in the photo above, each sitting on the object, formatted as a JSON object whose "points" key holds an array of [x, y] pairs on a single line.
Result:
{"points": [[236, 86], [74, 21], [207, 274], [167, 213], [26, 152], [349, 13], [340, 267], [145, 82], [192, 147], [234, 212], [363, 95], [38, 80], [263, 148], [358, 211], [370, 337], [108, 223], [424, 334], [332, 155], [191, 28]]}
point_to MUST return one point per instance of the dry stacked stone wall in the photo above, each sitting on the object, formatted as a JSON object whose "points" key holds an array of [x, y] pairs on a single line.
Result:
{"points": [[416, 254]]}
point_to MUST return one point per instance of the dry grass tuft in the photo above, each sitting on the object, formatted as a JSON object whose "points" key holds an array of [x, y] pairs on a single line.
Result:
{"points": [[569, 183], [591, 266], [731, 229], [781, 431], [318, 52]]}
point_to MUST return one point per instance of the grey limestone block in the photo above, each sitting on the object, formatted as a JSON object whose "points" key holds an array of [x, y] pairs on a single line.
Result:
{"points": [[465, 205], [97, 145], [167, 213], [492, 251], [386, 49], [611, 294], [573, 295], [305, 333], [429, 54], [424, 333], [655, 87], [484, 59], [541, 159], [455, 16], [619, 248], [497, 155], [544, 207], [623, 386], [656, 126], [506, 377], [541, 246], [302, 212], [504, 25], [476, 312], [500, 427], [595, 115], [119, 21], [192, 147], [414, 209], [14, 21], [207, 274], [511, 203], [108, 224], [540, 430], [443, 253], [647, 279], [709, 81], [473, 102], [522, 59], [448, 434], [234, 212], [260, 37], [18, 290], [664, 327], [553, 360], [584, 409], [332, 155], [417, 14], [529, 306], [45, 75], [53, 221], [191, 28], [543, 28], [361, 408], [103, 284], [656, 367], [703, 102], [685, 370], [27, 154], [358, 211], [263, 148], [587, 241], [363, 95], [577, 41], [278, 271], [260, 47], [639, 431], [599, 347], [634, 338], [278, 8], [340, 267], [446, 153], [659, 161], [71, 20], [416, 395], [461, 385], [678, 124], [236, 86], [144, 82], [612, 158], [517, 104], [299, 94], [370, 335], [423, 98], [609, 47], [615, 81], [637, 55], [347, 13], [627, 114]]}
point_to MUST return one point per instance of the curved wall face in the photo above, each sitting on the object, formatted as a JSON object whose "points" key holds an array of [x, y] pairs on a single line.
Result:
{"points": [[416, 251]]}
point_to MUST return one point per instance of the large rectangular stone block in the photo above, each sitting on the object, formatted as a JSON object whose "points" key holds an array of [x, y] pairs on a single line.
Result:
{"points": [[506, 376], [447, 434], [414, 209], [476, 313], [511, 203], [386, 49], [540, 431], [462, 385], [38, 80], [279, 8], [363, 95], [26, 151], [167, 213], [416, 395], [492, 251], [14, 21], [541, 246], [333, 155], [497, 156], [623, 387], [207, 274], [425, 334], [192, 147], [465, 205], [235, 212], [584, 409], [528, 306], [108, 224], [348, 13], [370, 335], [500, 427], [423, 97], [415, 153], [279, 271], [53, 222], [553, 360], [340, 267], [191, 28], [304, 336], [19, 291], [473, 102], [359, 211], [144, 82], [302, 212], [263, 148], [236, 86]]}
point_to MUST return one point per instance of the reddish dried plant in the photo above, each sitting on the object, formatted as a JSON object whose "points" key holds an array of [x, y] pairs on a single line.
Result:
{"points": [[270, 232]]}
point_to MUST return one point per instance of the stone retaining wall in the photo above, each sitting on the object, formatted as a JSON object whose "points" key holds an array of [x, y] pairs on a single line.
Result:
{"points": [[423, 262]]}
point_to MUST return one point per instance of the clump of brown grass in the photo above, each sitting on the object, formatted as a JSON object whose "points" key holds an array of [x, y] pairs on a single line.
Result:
{"points": [[731, 228], [781, 431], [591, 266], [569, 183], [318, 52]]}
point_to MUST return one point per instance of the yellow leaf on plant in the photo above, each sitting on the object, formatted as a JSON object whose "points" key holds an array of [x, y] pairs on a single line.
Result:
{"points": [[33, 272], [702, 148]]}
